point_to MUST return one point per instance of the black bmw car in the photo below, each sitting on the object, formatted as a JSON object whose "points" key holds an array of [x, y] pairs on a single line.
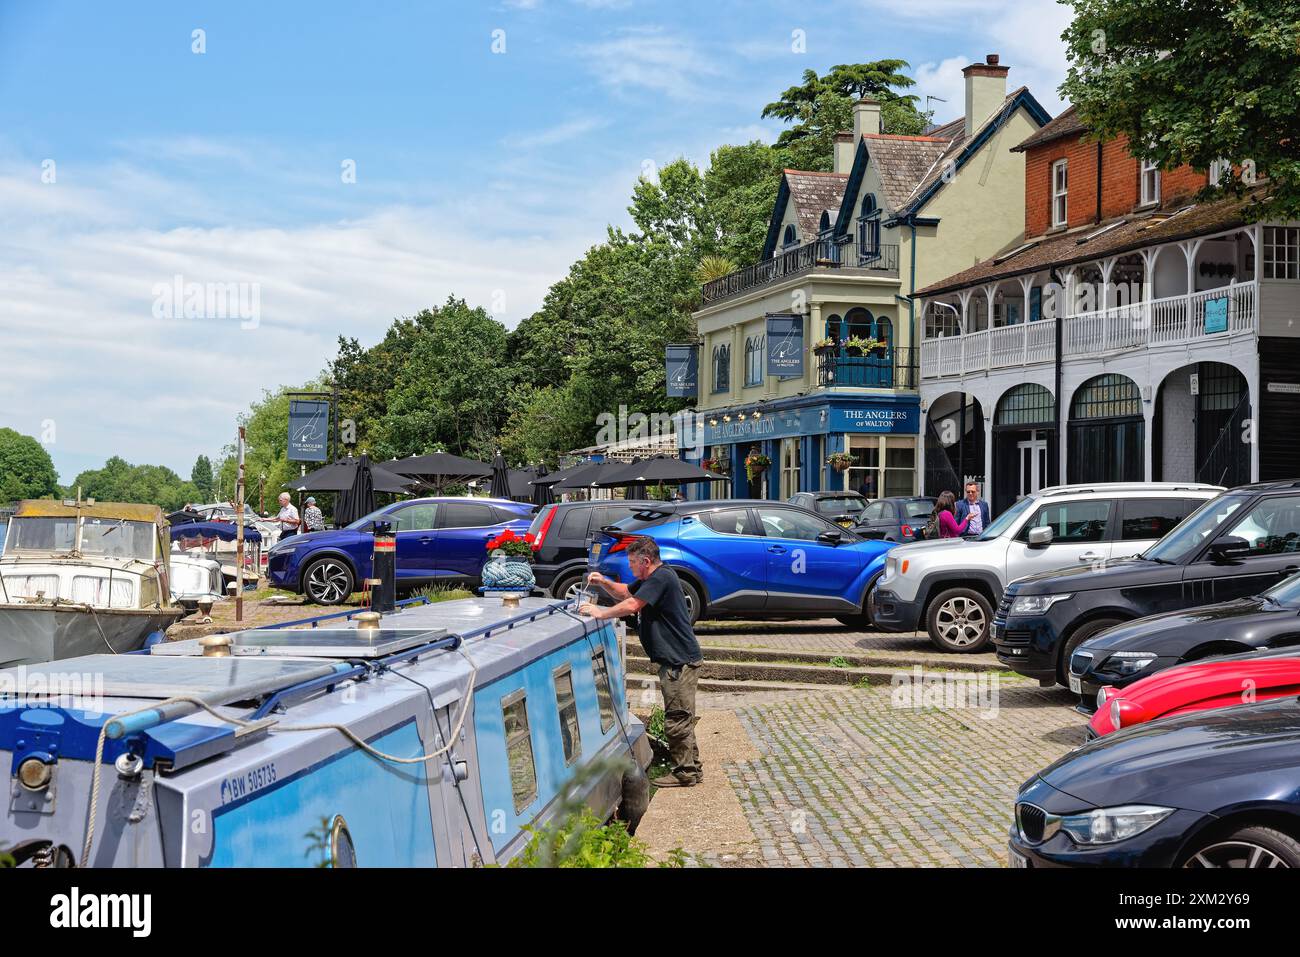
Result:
{"points": [[1130, 652], [1210, 789]]}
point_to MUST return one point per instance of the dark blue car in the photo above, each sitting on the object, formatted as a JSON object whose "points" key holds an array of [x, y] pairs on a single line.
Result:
{"points": [[752, 559], [441, 540], [1206, 789]]}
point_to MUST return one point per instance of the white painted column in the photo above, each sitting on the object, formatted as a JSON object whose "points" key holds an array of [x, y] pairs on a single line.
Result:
{"points": [[1148, 419], [988, 449]]}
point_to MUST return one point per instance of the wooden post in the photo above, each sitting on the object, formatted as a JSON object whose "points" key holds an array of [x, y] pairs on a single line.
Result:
{"points": [[239, 532]]}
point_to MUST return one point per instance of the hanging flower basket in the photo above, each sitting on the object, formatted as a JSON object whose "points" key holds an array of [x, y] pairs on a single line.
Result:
{"points": [[717, 466], [756, 463], [854, 346], [823, 347], [839, 461]]}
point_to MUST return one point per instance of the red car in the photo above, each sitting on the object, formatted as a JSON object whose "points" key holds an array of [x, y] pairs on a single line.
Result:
{"points": [[1198, 686]]}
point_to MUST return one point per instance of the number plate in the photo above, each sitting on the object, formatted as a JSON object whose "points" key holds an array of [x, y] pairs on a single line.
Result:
{"points": [[1076, 685], [1016, 860], [595, 555], [845, 523]]}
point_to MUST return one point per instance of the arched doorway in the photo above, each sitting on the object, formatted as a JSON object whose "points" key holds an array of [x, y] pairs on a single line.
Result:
{"points": [[1106, 431], [1199, 426], [954, 443], [1024, 444]]}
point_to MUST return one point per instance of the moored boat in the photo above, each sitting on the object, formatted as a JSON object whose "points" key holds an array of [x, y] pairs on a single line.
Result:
{"points": [[79, 577]]}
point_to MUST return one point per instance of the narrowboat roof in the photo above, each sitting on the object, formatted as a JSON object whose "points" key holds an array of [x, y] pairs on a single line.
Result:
{"points": [[123, 511]]}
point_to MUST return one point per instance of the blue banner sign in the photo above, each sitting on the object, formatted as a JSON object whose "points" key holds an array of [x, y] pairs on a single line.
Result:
{"points": [[683, 371], [309, 429], [785, 347], [897, 418], [1216, 315]]}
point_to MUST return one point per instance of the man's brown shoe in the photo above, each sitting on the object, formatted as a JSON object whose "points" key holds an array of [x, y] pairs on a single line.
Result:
{"points": [[673, 780]]}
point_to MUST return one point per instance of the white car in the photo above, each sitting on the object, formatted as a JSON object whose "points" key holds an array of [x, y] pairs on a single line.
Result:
{"points": [[951, 586]]}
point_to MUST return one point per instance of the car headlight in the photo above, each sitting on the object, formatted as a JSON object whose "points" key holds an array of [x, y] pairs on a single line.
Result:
{"points": [[1102, 694], [1128, 662], [1035, 604], [1107, 825]]}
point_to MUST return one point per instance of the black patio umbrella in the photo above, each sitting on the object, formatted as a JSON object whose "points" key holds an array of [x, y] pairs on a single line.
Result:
{"points": [[582, 476], [662, 469], [521, 483], [439, 469], [342, 475], [552, 478], [541, 490], [358, 500], [500, 477]]}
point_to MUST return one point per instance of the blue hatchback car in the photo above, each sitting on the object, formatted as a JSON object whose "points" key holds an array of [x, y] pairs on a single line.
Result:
{"points": [[442, 540], [745, 558]]}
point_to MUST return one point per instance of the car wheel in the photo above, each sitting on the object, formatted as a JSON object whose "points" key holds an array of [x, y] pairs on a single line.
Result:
{"points": [[328, 581], [1078, 637], [959, 619], [1248, 847], [567, 587], [694, 602]]}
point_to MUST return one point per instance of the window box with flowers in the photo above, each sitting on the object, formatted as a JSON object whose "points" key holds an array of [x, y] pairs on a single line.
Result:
{"points": [[756, 463], [509, 566], [824, 347], [839, 461], [854, 346]]}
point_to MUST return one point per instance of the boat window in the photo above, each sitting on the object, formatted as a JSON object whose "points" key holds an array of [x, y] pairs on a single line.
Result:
{"points": [[568, 708], [29, 586], [100, 536], [603, 696], [519, 749], [94, 590]]}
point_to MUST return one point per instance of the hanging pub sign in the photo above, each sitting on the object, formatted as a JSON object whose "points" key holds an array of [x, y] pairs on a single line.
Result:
{"points": [[1216, 315], [683, 371], [785, 346], [309, 429]]}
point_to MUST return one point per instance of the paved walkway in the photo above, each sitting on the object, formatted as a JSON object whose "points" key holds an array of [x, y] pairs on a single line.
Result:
{"points": [[827, 635], [858, 777]]}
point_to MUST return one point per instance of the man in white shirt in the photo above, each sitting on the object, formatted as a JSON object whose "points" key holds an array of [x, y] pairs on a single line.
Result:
{"points": [[976, 508], [287, 519]]}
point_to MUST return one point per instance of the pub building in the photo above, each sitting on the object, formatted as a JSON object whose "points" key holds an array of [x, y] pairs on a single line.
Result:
{"points": [[1133, 332], [814, 349]]}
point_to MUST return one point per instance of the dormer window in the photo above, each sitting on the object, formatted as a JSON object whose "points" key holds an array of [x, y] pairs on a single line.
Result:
{"points": [[869, 229], [790, 238], [1150, 183], [824, 226], [1060, 192]]}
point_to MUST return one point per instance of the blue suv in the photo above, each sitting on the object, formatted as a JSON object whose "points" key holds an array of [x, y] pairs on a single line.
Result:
{"points": [[752, 559], [441, 540]]}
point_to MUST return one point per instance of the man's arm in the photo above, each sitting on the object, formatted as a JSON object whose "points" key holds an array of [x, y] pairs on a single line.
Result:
{"points": [[624, 609], [616, 590]]}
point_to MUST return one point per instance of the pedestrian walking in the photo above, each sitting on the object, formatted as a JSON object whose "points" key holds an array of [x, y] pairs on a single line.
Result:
{"points": [[664, 624]]}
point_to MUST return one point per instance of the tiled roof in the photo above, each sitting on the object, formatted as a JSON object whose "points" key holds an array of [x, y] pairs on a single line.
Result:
{"points": [[902, 162], [1125, 234], [1067, 124], [813, 194]]}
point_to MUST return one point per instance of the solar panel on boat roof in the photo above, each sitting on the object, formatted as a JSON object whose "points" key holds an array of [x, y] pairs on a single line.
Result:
{"points": [[146, 676], [313, 642]]}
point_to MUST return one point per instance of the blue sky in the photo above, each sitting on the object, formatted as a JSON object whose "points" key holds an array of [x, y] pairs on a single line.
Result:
{"points": [[127, 160]]}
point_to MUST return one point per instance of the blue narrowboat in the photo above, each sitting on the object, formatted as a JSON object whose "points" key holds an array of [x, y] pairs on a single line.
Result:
{"points": [[431, 736]]}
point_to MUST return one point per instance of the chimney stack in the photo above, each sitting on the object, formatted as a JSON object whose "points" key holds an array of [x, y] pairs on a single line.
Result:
{"points": [[845, 145], [866, 118], [986, 88]]}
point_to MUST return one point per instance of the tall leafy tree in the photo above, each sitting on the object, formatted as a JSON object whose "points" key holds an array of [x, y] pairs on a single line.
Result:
{"points": [[1194, 81], [202, 478], [26, 470], [120, 481]]}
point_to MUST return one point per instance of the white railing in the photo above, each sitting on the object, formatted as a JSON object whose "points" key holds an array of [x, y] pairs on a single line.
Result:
{"points": [[1226, 311]]}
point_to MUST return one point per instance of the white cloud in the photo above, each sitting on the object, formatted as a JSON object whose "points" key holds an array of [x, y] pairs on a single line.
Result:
{"points": [[559, 133], [653, 59]]}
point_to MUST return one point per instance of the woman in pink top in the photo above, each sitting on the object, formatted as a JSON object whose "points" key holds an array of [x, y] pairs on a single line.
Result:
{"points": [[946, 509]]}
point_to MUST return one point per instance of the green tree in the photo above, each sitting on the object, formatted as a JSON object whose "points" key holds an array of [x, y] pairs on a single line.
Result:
{"points": [[26, 470], [822, 106], [202, 478], [120, 481], [266, 441], [1194, 81]]}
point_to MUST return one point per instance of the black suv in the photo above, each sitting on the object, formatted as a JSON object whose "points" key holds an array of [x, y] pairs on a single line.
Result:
{"points": [[1238, 544], [560, 534]]}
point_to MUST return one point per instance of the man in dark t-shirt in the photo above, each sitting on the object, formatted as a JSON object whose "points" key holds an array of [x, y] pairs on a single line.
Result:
{"points": [[657, 599]]}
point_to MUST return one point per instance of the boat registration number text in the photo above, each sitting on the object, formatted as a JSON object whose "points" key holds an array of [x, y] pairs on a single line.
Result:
{"points": [[232, 789]]}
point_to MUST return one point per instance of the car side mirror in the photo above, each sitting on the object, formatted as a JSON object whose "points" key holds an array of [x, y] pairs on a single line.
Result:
{"points": [[1040, 537], [831, 538], [1229, 548]]}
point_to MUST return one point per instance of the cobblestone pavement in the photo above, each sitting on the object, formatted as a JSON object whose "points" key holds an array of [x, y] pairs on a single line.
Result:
{"points": [[824, 635], [846, 778]]}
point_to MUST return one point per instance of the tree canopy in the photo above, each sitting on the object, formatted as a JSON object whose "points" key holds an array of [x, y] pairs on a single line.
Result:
{"points": [[1195, 81], [26, 470], [120, 481]]}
